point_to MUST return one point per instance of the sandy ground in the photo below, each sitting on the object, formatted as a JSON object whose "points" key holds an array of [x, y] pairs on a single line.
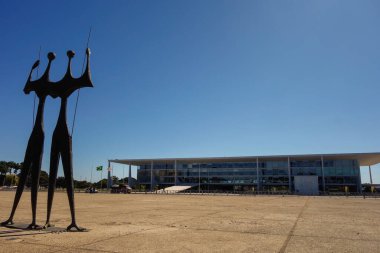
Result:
{"points": [[188, 223]]}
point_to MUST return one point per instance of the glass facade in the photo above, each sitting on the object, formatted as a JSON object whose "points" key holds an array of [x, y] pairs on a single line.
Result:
{"points": [[333, 175]]}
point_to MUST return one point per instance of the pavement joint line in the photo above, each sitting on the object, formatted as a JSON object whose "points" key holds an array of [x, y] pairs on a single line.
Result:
{"points": [[74, 247], [277, 234], [209, 214], [171, 224], [90, 250], [141, 231], [231, 231], [244, 222], [192, 218], [110, 238], [243, 232], [47, 245], [131, 212], [23, 234], [291, 232], [338, 238], [260, 219]]}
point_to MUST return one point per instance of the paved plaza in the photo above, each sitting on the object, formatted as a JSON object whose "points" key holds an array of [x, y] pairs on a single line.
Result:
{"points": [[191, 223]]}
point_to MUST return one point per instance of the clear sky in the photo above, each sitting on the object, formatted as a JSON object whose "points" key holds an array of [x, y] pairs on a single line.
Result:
{"points": [[198, 78]]}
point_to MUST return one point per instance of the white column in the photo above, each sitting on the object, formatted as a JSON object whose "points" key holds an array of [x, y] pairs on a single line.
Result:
{"points": [[370, 174], [130, 175], [289, 175], [123, 174], [151, 176], [360, 181], [323, 174]]}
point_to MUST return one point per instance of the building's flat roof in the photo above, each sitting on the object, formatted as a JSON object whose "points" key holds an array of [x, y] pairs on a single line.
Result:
{"points": [[365, 159]]}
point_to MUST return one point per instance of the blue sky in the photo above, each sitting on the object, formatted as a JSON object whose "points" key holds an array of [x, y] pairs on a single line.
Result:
{"points": [[198, 78]]}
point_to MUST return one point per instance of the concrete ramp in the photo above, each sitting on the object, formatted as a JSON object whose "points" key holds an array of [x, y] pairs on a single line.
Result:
{"points": [[174, 189]]}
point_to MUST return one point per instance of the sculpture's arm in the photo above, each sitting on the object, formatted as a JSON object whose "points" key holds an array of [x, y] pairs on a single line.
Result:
{"points": [[38, 85], [70, 84], [29, 83]]}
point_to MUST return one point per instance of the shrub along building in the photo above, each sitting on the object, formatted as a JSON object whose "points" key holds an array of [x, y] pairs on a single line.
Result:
{"points": [[302, 174]]}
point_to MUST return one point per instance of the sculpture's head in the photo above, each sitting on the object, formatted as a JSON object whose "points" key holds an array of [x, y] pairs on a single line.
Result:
{"points": [[51, 56], [70, 54]]}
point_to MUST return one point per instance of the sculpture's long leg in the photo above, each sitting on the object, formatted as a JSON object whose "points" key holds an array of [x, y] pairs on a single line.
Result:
{"points": [[35, 173], [67, 163], [54, 163], [20, 188]]}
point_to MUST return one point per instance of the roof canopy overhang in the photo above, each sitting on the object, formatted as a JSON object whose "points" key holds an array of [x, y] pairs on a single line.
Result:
{"points": [[364, 159]]}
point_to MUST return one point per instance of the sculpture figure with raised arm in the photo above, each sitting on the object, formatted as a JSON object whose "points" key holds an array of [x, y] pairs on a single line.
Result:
{"points": [[62, 140], [34, 150]]}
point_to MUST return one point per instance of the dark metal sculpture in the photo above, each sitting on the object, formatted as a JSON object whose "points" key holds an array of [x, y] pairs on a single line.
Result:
{"points": [[62, 140], [34, 150]]}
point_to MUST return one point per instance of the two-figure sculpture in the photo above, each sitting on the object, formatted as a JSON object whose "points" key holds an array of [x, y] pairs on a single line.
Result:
{"points": [[61, 142]]}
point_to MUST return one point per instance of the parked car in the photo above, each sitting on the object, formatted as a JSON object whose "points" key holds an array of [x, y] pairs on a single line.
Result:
{"points": [[121, 188], [91, 190]]}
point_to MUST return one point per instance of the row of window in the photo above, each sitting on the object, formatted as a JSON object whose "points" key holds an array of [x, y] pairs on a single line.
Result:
{"points": [[252, 172], [267, 164], [247, 180]]}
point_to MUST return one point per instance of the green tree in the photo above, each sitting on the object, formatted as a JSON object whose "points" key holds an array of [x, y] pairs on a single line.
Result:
{"points": [[3, 167], [60, 183], [11, 180], [12, 165], [101, 184], [44, 179], [7, 167], [18, 167], [81, 184]]}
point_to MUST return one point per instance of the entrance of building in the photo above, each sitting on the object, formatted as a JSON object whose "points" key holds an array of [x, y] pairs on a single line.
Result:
{"points": [[306, 185]]}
